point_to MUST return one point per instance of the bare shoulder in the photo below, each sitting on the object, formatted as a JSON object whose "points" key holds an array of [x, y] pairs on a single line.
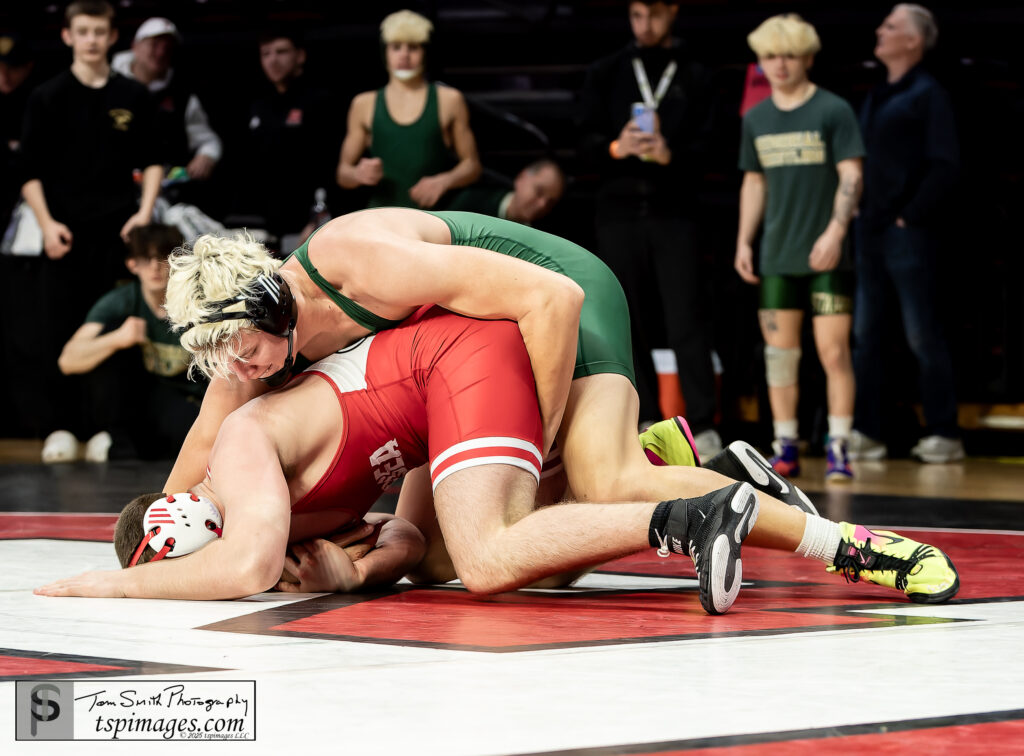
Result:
{"points": [[363, 103], [450, 100]]}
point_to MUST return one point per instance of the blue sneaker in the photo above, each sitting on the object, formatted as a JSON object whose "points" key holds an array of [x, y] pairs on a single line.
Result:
{"points": [[786, 461], [838, 468]]}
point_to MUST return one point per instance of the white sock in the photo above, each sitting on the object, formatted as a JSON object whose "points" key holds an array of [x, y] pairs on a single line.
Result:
{"points": [[821, 539], [839, 427], [785, 429]]}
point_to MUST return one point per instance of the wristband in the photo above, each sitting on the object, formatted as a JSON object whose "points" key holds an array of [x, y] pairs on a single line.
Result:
{"points": [[613, 149]]}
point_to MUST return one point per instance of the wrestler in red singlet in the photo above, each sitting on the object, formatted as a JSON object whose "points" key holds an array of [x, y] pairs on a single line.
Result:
{"points": [[455, 391]]}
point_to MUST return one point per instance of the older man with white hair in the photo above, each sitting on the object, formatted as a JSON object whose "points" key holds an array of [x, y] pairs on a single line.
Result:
{"points": [[911, 167]]}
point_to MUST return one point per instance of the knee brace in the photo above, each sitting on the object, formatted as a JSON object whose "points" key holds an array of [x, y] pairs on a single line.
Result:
{"points": [[782, 366]]}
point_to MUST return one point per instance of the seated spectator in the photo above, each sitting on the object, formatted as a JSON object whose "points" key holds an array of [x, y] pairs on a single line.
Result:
{"points": [[400, 138], [139, 392], [189, 142], [534, 193], [293, 139]]}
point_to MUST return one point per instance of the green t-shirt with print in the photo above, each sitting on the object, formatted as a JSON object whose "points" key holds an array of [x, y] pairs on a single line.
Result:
{"points": [[162, 353], [797, 151]]}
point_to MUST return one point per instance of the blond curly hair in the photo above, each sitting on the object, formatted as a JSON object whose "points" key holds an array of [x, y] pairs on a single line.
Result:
{"points": [[211, 270]]}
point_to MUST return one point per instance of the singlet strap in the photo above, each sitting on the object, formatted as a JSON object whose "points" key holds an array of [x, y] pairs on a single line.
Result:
{"points": [[358, 313]]}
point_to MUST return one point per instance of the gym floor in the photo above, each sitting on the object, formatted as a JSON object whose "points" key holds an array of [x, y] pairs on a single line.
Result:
{"points": [[625, 662]]}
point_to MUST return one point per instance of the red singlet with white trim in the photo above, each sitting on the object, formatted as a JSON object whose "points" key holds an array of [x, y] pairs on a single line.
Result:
{"points": [[452, 390]]}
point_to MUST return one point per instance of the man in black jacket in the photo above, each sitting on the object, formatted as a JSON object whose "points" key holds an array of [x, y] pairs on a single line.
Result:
{"points": [[911, 166], [647, 198]]}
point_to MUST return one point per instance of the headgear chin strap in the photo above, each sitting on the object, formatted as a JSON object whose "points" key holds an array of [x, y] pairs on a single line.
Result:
{"points": [[271, 308], [178, 524]]}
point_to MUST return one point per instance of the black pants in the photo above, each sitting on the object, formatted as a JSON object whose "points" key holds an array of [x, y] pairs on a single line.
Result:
{"points": [[45, 302], [145, 415], [656, 262]]}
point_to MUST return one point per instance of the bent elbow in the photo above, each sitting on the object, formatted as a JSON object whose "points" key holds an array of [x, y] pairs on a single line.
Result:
{"points": [[66, 365], [261, 574]]}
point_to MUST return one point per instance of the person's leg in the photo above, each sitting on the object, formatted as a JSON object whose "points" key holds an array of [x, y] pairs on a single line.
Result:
{"points": [[912, 266], [869, 329], [676, 276], [623, 246], [832, 340], [491, 554], [780, 329], [604, 462]]}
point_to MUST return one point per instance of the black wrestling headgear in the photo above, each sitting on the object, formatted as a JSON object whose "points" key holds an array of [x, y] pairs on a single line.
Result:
{"points": [[271, 308]]}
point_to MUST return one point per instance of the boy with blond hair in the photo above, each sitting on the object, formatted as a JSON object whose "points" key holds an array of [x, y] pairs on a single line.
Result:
{"points": [[801, 155], [401, 137]]}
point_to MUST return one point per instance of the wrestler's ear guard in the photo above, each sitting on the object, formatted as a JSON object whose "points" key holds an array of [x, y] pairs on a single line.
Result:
{"points": [[271, 308], [177, 525]]}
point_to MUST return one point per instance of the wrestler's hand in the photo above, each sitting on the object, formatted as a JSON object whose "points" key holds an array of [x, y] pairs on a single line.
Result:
{"points": [[744, 263], [97, 584], [369, 171], [428, 190], [324, 567], [827, 250]]}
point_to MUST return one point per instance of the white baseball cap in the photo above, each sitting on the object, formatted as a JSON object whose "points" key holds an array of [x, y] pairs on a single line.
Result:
{"points": [[156, 27]]}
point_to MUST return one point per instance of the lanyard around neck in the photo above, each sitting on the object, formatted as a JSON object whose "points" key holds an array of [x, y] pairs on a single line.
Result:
{"points": [[653, 100]]}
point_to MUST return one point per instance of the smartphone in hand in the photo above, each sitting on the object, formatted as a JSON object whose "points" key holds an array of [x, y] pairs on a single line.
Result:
{"points": [[643, 117]]}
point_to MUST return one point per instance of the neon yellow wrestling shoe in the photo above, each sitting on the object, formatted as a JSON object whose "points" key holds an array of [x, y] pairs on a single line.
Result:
{"points": [[882, 557], [670, 442]]}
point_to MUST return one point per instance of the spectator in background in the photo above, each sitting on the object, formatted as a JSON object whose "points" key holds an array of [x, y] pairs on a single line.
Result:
{"points": [[533, 194], [17, 274], [189, 142], [85, 132], [801, 155], [140, 395], [911, 168], [293, 139], [648, 198], [16, 66], [400, 138]]}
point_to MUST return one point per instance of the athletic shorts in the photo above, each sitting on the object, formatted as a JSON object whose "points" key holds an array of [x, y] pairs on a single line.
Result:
{"points": [[481, 399], [828, 293], [604, 344]]}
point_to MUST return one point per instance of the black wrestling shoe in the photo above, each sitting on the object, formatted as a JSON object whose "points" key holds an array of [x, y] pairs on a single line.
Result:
{"points": [[741, 461], [716, 524]]}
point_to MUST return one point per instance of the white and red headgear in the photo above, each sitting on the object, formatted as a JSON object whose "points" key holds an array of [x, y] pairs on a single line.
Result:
{"points": [[178, 524]]}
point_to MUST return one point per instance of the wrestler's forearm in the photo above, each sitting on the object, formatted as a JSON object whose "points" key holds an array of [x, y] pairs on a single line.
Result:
{"points": [[218, 571], [400, 547], [551, 334]]}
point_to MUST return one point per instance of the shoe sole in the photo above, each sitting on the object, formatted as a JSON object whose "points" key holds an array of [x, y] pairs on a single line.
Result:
{"points": [[939, 459], [938, 598], [750, 466], [838, 477], [721, 575], [868, 456]]}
